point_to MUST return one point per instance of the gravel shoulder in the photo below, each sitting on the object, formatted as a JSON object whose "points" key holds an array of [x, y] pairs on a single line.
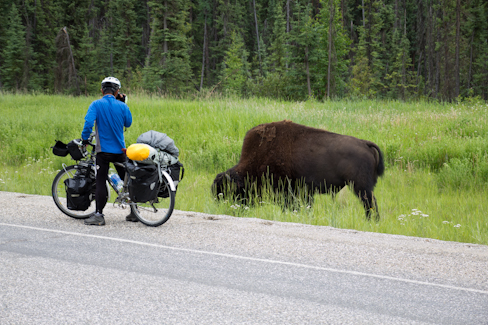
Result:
{"points": [[419, 259]]}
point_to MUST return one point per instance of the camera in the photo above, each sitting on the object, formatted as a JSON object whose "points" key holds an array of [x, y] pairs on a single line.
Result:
{"points": [[121, 97]]}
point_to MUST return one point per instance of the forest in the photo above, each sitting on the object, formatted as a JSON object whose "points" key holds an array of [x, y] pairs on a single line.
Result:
{"points": [[282, 49]]}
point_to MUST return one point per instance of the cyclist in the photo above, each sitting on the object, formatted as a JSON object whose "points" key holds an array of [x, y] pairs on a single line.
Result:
{"points": [[110, 116]]}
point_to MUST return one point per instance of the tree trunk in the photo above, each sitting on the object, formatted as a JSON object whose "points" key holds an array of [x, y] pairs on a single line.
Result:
{"points": [[364, 17], [395, 26], [331, 21], [418, 66], [470, 61], [287, 16], [72, 60], [257, 35], [150, 40], [437, 65], [287, 27], [165, 31], [458, 32], [351, 53], [404, 53], [308, 73], [204, 47]]}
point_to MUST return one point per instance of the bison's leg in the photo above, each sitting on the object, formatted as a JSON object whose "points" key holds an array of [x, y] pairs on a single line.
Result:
{"points": [[369, 203], [296, 193], [373, 210]]}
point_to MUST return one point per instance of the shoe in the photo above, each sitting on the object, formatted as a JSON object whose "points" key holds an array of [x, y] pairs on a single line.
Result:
{"points": [[90, 215], [131, 217], [96, 219]]}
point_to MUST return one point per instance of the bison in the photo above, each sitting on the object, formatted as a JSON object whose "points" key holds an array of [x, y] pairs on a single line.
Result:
{"points": [[303, 157]]}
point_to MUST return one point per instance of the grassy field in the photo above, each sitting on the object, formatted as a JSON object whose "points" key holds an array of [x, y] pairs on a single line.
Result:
{"points": [[436, 155]]}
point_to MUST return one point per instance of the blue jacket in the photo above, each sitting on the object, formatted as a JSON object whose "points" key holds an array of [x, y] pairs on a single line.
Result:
{"points": [[111, 116]]}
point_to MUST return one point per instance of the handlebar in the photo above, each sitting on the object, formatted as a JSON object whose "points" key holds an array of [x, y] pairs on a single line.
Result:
{"points": [[90, 140]]}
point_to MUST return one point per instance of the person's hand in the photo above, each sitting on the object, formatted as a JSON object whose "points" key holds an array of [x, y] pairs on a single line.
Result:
{"points": [[85, 142], [121, 97]]}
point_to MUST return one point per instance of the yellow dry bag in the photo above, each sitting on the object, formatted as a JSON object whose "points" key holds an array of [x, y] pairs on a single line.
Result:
{"points": [[141, 152]]}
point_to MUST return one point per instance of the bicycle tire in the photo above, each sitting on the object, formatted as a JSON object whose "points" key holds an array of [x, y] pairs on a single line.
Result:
{"points": [[58, 192], [164, 206]]}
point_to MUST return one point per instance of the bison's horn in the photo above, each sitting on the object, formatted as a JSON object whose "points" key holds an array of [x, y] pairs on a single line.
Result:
{"points": [[228, 177]]}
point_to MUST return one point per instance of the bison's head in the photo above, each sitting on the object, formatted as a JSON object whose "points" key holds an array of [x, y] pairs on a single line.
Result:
{"points": [[228, 184]]}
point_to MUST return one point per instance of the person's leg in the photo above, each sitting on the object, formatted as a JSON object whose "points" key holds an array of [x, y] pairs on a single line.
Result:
{"points": [[121, 171], [102, 166], [97, 218], [120, 159]]}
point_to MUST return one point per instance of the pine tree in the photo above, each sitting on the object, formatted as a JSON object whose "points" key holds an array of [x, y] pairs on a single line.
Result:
{"points": [[124, 37], [229, 17], [168, 66], [401, 77], [278, 47], [14, 52], [104, 53], [333, 46], [303, 39], [372, 50], [235, 65], [88, 70], [43, 47], [480, 39]]}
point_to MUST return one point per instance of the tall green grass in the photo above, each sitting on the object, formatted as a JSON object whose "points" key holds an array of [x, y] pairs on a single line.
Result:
{"points": [[435, 185]]}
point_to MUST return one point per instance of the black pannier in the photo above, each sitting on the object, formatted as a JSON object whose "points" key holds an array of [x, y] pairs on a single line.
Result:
{"points": [[60, 149], [176, 171], [143, 181], [79, 193], [75, 150]]}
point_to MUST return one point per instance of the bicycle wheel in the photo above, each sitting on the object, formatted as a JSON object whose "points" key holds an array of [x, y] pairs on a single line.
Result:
{"points": [[59, 194], [158, 212]]}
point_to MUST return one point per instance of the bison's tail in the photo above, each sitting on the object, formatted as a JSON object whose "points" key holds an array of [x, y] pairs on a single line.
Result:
{"points": [[380, 164]]}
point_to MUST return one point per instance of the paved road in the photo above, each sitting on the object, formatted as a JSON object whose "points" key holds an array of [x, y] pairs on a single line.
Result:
{"points": [[203, 269]]}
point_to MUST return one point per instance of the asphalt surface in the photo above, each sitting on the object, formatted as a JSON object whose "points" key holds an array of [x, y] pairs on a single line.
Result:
{"points": [[207, 269]]}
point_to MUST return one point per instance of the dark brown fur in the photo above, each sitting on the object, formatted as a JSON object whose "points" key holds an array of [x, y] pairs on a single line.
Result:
{"points": [[323, 161]]}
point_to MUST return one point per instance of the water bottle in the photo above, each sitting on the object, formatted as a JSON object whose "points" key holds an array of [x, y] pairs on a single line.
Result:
{"points": [[115, 178]]}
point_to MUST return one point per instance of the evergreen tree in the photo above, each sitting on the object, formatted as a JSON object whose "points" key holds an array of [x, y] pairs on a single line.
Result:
{"points": [[104, 53], [401, 77], [235, 66], [88, 70], [14, 52], [479, 85], [278, 47], [43, 47], [297, 49], [303, 39], [333, 46], [371, 50], [378, 57], [125, 37], [229, 17], [167, 66]]}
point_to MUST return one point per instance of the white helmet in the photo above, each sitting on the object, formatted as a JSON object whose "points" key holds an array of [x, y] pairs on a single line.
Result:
{"points": [[111, 82]]}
